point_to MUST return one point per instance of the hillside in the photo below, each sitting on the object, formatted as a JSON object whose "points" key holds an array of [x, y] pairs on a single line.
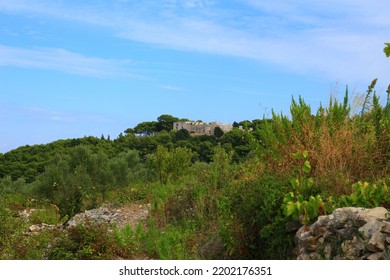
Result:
{"points": [[220, 196]]}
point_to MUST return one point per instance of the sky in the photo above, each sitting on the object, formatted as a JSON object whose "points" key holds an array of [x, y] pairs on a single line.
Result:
{"points": [[72, 68]]}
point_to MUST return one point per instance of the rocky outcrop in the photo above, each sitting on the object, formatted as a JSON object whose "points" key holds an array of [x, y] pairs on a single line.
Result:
{"points": [[36, 229], [348, 233], [128, 215]]}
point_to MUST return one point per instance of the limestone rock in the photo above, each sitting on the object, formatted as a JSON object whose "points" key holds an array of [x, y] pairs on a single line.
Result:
{"points": [[376, 256], [370, 227], [341, 216], [379, 213], [308, 241], [105, 215], [348, 233], [376, 242], [34, 228], [386, 227], [354, 248]]}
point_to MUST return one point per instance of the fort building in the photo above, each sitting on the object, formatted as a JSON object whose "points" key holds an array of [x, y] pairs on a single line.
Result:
{"points": [[201, 128]]}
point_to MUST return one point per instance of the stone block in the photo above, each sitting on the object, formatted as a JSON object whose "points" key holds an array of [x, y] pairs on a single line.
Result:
{"points": [[376, 256], [353, 249], [378, 213], [376, 242], [370, 227], [308, 241]]}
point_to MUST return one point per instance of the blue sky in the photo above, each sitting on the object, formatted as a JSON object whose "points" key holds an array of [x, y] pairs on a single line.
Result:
{"points": [[74, 68]]}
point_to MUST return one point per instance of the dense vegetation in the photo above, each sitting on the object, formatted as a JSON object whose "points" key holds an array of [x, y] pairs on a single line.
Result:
{"points": [[222, 196]]}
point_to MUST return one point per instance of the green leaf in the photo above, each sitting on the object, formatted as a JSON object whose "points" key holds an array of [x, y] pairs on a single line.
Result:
{"points": [[306, 167], [297, 155], [288, 197], [305, 154], [291, 209], [295, 183], [310, 182]]}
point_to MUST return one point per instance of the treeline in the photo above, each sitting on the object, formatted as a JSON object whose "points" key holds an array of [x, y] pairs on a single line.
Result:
{"points": [[29, 161]]}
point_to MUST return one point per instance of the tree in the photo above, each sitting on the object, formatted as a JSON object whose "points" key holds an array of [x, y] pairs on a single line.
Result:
{"points": [[246, 124], [387, 49], [165, 122], [218, 132], [171, 164], [182, 134], [205, 151], [221, 167], [146, 128], [129, 131]]}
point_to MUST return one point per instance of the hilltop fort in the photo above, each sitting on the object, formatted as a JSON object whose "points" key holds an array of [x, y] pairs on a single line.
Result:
{"points": [[201, 128]]}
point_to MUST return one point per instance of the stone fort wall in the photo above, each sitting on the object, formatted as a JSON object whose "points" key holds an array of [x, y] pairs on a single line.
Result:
{"points": [[201, 128]]}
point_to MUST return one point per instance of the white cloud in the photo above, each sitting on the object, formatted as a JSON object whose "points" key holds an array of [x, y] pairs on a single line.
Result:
{"points": [[338, 39], [65, 61], [63, 117]]}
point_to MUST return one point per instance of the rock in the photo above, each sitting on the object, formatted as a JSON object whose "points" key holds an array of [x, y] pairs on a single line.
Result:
{"points": [[320, 227], [308, 241], [378, 213], [376, 256], [300, 231], [348, 233], [386, 227], [370, 227], [105, 215], [377, 242], [342, 215], [354, 248], [26, 213], [328, 252], [34, 228]]}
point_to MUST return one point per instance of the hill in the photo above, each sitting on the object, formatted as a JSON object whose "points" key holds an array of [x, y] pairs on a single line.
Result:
{"points": [[223, 196]]}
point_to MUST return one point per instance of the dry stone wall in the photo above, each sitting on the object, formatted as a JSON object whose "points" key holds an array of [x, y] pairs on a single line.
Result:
{"points": [[348, 233]]}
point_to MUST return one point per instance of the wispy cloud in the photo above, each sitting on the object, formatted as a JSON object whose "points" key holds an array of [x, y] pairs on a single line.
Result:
{"points": [[63, 116], [65, 61], [170, 87], [49, 115], [340, 39]]}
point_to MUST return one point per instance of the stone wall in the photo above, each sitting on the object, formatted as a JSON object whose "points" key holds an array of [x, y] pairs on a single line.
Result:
{"points": [[201, 128], [348, 233]]}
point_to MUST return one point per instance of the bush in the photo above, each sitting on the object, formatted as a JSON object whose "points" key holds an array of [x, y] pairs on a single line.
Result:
{"points": [[85, 241]]}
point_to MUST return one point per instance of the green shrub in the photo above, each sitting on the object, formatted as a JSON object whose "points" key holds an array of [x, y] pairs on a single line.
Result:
{"points": [[368, 195], [85, 241]]}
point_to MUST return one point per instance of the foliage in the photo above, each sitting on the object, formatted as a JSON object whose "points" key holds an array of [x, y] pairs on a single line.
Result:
{"points": [[300, 204], [85, 241], [368, 195], [49, 215], [387, 49], [221, 167], [170, 165], [218, 132]]}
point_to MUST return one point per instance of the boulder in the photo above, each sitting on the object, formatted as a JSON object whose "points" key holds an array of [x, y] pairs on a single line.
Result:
{"points": [[348, 233]]}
